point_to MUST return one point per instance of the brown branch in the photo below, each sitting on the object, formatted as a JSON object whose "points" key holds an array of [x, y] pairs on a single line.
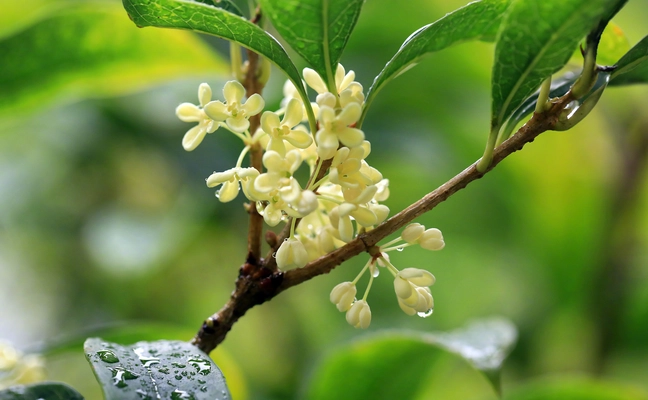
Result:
{"points": [[256, 287], [255, 228]]}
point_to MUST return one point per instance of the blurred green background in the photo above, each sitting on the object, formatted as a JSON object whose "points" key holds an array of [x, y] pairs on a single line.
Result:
{"points": [[105, 220]]}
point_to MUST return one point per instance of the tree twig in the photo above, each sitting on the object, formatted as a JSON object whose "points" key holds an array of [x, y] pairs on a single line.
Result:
{"points": [[257, 287]]}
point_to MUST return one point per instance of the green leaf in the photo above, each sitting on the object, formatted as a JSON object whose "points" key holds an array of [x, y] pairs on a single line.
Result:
{"points": [[185, 14], [394, 364], [613, 44], [318, 30], [163, 369], [92, 51], [576, 389], [226, 5], [43, 390], [633, 66], [476, 21], [536, 39]]}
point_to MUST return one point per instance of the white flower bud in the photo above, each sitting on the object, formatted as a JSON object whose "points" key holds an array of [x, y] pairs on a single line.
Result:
{"points": [[359, 315], [418, 277], [343, 295], [412, 232], [432, 239], [291, 254]]}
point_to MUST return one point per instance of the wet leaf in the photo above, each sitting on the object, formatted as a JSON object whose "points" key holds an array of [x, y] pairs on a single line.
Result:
{"points": [[479, 20], [44, 390], [163, 369], [537, 38], [393, 364], [200, 17], [92, 51], [318, 30], [633, 66]]}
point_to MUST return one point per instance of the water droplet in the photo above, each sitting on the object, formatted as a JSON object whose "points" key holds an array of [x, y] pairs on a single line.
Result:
{"points": [[425, 314], [201, 381], [178, 365], [142, 394], [181, 395], [121, 375], [274, 255], [203, 366], [107, 356], [178, 377], [301, 45], [400, 248], [164, 370]]}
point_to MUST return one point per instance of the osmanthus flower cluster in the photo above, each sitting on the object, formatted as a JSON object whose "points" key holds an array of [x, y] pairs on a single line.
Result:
{"points": [[412, 285], [17, 368], [333, 206]]}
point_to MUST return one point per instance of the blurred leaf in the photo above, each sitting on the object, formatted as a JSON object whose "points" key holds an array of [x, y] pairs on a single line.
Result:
{"points": [[479, 20], [318, 30], [612, 46], [41, 391], [536, 40], [576, 389], [393, 364], [184, 14], [633, 66], [92, 52], [163, 369], [121, 333]]}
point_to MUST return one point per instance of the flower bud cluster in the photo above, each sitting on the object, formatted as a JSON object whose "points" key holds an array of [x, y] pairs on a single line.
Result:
{"points": [[411, 285], [17, 368], [334, 205]]}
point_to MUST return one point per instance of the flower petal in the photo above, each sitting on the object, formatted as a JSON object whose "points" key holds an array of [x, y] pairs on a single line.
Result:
{"points": [[216, 110], [315, 81], [217, 178], [188, 112], [193, 137], [233, 92], [299, 139], [254, 105], [204, 94], [294, 113], [351, 137], [228, 191], [238, 124]]}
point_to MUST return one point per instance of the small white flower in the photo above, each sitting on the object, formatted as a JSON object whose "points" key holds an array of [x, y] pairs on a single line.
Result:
{"points": [[188, 112], [335, 129], [280, 131], [234, 111], [359, 315], [343, 295], [230, 180], [291, 254], [9, 356]]}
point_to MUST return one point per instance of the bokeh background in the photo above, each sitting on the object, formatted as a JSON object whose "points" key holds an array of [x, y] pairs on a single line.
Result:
{"points": [[106, 223]]}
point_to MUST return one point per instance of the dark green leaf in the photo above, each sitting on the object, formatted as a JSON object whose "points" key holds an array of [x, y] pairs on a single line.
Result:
{"points": [[163, 369], [476, 21], [633, 66], [95, 51], [536, 40], [392, 365], [576, 389], [44, 390], [186, 14], [317, 29]]}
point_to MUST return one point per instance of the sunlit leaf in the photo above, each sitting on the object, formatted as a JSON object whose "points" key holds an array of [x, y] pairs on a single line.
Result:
{"points": [[537, 38], [633, 66], [95, 51], [38, 391], [476, 21], [612, 46], [186, 14], [318, 30], [163, 369], [393, 364]]}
